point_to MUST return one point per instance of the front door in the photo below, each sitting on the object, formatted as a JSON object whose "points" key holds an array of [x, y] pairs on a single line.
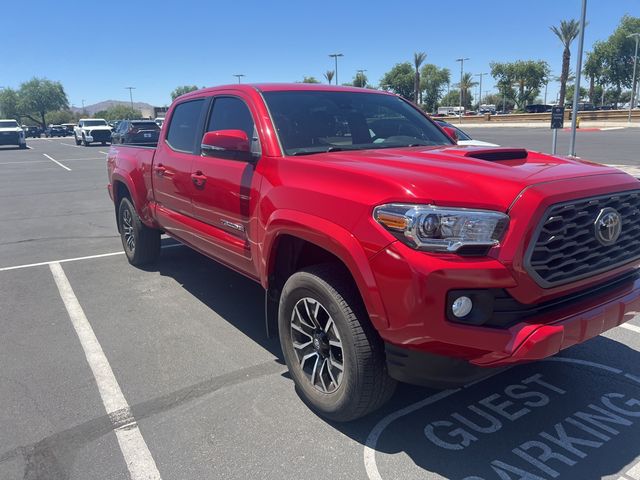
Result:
{"points": [[223, 200]]}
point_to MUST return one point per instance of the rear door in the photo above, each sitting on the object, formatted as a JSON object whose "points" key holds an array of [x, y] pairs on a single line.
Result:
{"points": [[172, 184], [223, 201]]}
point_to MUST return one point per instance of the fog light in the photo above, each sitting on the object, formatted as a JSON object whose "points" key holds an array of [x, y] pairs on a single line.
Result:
{"points": [[462, 306]]}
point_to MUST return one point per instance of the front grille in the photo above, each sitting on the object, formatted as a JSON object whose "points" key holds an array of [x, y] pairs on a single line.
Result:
{"points": [[565, 247], [101, 135]]}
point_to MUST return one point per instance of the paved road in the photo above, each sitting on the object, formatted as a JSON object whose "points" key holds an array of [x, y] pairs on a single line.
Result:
{"points": [[619, 146], [195, 390]]}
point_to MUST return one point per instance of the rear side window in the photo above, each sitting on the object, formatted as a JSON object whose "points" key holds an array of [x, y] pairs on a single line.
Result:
{"points": [[184, 125]]}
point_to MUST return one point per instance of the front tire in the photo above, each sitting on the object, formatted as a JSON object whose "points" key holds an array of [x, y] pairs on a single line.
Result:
{"points": [[334, 355], [75, 137], [84, 141], [141, 243]]}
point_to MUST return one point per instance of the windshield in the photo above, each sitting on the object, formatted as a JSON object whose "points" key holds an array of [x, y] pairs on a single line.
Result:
{"points": [[310, 122], [8, 124], [95, 123]]}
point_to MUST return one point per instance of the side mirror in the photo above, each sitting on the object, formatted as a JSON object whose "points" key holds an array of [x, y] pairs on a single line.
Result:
{"points": [[451, 133], [230, 144]]}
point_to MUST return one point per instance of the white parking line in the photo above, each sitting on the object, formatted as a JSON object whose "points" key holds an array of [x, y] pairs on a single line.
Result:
{"points": [[55, 161], [633, 328], [76, 259], [137, 456], [607, 129], [100, 151]]}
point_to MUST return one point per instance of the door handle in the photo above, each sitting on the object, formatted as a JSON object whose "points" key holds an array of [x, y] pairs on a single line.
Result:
{"points": [[159, 169], [198, 179]]}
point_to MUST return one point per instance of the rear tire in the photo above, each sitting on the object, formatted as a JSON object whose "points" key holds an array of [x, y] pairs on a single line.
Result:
{"points": [[141, 243], [334, 355], [23, 146]]}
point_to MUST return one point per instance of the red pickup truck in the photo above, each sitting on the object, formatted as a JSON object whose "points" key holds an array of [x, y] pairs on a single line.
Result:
{"points": [[386, 251]]}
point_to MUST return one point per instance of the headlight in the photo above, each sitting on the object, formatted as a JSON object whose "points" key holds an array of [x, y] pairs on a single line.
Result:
{"points": [[440, 229]]}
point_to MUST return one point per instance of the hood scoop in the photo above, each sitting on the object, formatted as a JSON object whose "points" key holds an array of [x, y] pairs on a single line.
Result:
{"points": [[496, 154]]}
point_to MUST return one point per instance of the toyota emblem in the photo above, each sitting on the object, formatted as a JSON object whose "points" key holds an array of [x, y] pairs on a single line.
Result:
{"points": [[608, 226]]}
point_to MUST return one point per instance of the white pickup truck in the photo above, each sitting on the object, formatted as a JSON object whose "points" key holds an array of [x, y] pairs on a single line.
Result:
{"points": [[12, 134], [91, 130]]}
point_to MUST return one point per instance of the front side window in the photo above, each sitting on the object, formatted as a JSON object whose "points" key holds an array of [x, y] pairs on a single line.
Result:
{"points": [[231, 113], [183, 129], [310, 122]]}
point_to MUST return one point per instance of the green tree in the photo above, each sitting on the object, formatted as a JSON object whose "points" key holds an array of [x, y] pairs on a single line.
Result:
{"points": [[182, 90], [418, 60], [360, 80], [119, 112], [432, 83], [60, 116], [310, 80], [566, 33], [527, 76], [9, 104], [617, 54], [572, 88], [39, 96], [466, 84], [451, 99], [593, 69], [400, 79], [329, 76]]}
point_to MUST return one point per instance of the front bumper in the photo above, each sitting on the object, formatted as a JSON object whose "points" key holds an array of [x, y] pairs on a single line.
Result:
{"points": [[414, 286]]}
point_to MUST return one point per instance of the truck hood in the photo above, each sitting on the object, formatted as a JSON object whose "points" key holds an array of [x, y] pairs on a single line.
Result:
{"points": [[476, 177]]}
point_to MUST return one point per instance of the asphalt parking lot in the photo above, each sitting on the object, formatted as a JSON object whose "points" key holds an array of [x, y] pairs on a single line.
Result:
{"points": [[195, 390]]}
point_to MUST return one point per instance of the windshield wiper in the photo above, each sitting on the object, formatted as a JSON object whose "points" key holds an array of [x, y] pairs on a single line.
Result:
{"points": [[330, 149]]}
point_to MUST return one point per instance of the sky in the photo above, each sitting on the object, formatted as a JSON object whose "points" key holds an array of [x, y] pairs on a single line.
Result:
{"points": [[97, 48]]}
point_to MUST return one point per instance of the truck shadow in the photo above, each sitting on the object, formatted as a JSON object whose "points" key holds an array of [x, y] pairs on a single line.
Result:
{"points": [[576, 416]]}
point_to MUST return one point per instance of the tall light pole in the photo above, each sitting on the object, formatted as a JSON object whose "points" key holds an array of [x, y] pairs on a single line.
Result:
{"points": [[461, 60], [633, 87], [576, 94], [480, 96], [130, 96], [239, 76], [335, 57]]}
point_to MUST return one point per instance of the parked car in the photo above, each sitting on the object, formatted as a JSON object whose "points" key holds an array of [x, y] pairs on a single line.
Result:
{"points": [[55, 131], [159, 121], [11, 133], [32, 131], [537, 108], [69, 127], [91, 130], [464, 138], [139, 132], [386, 251]]}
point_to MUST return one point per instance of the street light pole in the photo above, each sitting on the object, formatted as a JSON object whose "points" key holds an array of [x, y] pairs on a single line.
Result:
{"points": [[480, 96], [335, 57], [461, 60], [633, 87], [239, 76], [576, 94], [130, 96]]}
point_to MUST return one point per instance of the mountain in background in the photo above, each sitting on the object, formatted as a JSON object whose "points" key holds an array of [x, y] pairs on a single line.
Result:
{"points": [[145, 108]]}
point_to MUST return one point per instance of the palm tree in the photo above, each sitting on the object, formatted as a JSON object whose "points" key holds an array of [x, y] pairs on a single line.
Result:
{"points": [[466, 84], [418, 58], [567, 32], [329, 75]]}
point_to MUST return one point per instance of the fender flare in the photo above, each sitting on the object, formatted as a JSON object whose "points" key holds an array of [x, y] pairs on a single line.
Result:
{"points": [[333, 238], [140, 202]]}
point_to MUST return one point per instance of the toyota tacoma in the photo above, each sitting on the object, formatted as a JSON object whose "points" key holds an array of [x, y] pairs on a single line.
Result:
{"points": [[387, 252]]}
